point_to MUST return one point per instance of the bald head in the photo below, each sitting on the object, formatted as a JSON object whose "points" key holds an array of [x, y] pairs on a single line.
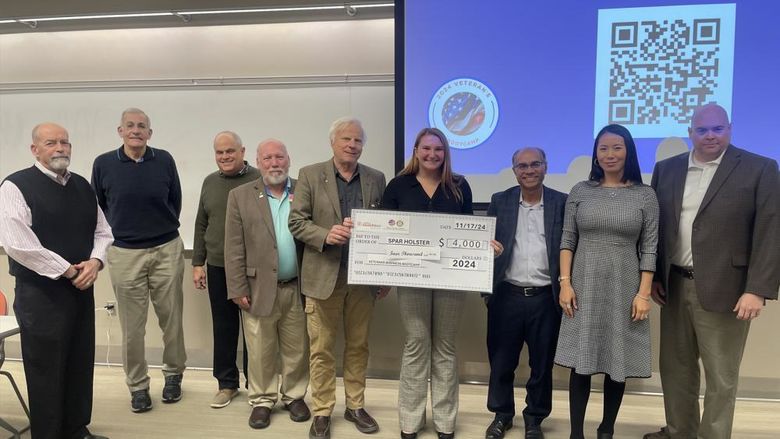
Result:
{"points": [[39, 129], [273, 162], [51, 147], [710, 132]]}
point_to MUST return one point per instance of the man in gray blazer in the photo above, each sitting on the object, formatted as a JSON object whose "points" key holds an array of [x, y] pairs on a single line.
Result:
{"points": [[261, 266], [718, 262], [320, 218], [524, 305]]}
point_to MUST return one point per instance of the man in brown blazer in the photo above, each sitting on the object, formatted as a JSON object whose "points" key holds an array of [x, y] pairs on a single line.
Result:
{"points": [[320, 218], [261, 264], [718, 262]]}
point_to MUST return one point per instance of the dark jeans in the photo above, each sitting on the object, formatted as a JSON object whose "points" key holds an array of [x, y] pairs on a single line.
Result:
{"points": [[57, 329], [514, 319], [226, 321]]}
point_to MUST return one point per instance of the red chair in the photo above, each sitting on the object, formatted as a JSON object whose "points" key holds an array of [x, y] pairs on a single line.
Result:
{"points": [[17, 434]]}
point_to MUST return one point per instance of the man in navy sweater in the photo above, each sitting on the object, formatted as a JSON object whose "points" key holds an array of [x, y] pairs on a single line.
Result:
{"points": [[138, 188]]}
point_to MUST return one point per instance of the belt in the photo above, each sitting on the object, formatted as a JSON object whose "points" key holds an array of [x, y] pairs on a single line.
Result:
{"points": [[684, 271], [287, 281], [529, 291]]}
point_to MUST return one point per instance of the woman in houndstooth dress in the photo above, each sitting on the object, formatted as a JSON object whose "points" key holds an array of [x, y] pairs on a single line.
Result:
{"points": [[608, 253]]}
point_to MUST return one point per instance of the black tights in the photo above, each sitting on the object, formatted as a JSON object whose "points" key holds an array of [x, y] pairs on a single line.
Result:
{"points": [[579, 392]]}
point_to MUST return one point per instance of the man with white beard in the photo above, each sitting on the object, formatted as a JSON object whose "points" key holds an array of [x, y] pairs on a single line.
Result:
{"points": [[56, 238], [261, 266]]}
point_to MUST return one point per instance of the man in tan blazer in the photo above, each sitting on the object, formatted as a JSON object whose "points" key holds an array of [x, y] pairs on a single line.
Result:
{"points": [[261, 265], [718, 262], [320, 218]]}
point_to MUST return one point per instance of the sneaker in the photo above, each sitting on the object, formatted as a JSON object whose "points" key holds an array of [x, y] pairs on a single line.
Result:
{"points": [[172, 390], [223, 398], [140, 401]]}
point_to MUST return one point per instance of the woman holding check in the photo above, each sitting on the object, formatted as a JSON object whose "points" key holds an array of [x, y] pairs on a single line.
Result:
{"points": [[608, 252], [429, 316]]}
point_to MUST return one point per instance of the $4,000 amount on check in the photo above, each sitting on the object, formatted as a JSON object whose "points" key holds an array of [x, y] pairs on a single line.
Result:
{"points": [[424, 250]]}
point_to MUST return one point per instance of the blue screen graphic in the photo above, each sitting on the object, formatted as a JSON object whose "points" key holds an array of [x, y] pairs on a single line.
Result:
{"points": [[497, 76]]}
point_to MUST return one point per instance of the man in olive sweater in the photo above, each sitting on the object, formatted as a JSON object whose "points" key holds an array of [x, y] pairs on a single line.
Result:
{"points": [[208, 259]]}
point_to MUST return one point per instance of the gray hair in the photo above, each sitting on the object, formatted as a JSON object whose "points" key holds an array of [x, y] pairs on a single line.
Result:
{"points": [[529, 148], [233, 135], [133, 110], [271, 140], [343, 122]]}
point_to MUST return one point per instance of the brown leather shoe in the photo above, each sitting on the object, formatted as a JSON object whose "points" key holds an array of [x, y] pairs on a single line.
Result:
{"points": [[663, 434], [363, 421], [260, 417], [320, 428], [299, 411]]}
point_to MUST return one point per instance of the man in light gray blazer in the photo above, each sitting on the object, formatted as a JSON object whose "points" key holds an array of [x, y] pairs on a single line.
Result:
{"points": [[261, 267], [719, 260], [320, 218]]}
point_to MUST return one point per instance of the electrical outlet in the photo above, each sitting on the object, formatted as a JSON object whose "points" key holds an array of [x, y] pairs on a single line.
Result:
{"points": [[110, 308]]}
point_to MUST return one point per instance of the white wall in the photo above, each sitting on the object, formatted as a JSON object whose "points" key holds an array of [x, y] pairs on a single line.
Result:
{"points": [[297, 78], [124, 68]]}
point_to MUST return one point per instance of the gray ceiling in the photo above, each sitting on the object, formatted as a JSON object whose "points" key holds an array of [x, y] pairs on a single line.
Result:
{"points": [[17, 9]]}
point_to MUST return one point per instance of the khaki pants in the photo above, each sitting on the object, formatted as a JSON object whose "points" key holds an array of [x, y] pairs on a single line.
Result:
{"points": [[139, 275], [689, 333], [352, 304], [277, 338]]}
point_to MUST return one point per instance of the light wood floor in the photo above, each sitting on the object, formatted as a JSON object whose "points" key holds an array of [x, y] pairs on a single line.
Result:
{"points": [[193, 418]]}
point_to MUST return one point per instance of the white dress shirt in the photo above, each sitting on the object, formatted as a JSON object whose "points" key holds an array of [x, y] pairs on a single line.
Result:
{"points": [[697, 181], [21, 243], [529, 266]]}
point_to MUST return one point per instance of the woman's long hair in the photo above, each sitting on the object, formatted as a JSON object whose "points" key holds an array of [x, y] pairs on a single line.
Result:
{"points": [[447, 177], [631, 170]]}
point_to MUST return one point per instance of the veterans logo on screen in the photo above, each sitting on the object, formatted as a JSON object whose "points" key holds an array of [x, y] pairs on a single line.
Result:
{"points": [[466, 110]]}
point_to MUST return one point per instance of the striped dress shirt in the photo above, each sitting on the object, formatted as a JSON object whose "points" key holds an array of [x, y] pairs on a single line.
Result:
{"points": [[21, 243]]}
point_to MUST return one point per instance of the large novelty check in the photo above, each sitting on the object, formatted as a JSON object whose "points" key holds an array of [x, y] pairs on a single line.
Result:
{"points": [[426, 250]]}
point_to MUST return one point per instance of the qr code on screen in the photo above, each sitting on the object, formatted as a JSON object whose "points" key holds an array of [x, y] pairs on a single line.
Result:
{"points": [[661, 63]]}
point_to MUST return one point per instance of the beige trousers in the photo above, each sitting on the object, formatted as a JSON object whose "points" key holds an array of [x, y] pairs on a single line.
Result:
{"points": [[689, 333], [273, 341], [352, 305], [139, 275]]}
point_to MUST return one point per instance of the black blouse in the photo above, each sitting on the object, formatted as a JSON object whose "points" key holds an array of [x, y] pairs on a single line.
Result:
{"points": [[406, 193]]}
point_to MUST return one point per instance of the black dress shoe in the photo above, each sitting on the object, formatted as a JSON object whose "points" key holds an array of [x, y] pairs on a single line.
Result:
{"points": [[320, 428], [362, 420], [260, 417], [441, 435], [408, 435], [603, 435], [299, 411], [533, 432], [497, 428], [93, 436]]}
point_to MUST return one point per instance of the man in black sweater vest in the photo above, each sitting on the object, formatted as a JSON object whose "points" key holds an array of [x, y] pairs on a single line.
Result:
{"points": [[138, 188], [56, 238]]}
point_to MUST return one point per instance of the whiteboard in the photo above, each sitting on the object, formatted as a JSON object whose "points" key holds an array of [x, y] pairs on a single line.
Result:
{"points": [[184, 122]]}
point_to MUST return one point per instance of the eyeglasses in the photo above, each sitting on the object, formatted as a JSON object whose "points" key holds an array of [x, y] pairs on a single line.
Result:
{"points": [[524, 166]]}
